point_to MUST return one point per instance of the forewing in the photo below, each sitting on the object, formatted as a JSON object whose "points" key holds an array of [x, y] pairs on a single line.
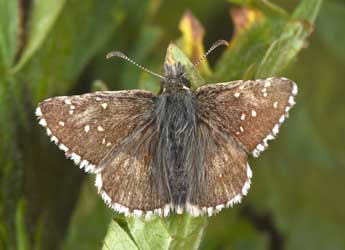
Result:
{"points": [[227, 173], [87, 127], [249, 111]]}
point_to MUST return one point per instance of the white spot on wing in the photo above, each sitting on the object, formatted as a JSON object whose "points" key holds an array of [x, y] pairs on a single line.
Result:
{"points": [[260, 147], [100, 128], [194, 210], [137, 212], [237, 199], [237, 94], [253, 113], [87, 128], [104, 105], [294, 89], [291, 101], [84, 163], [61, 123], [76, 158], [219, 207], [209, 211], [282, 118], [243, 116], [68, 101], [256, 153], [43, 122], [107, 199], [89, 168], [49, 132], [275, 129], [38, 111], [54, 139], [148, 215], [275, 105], [246, 188], [269, 137], [99, 182], [158, 211], [166, 210], [63, 147], [249, 172]]}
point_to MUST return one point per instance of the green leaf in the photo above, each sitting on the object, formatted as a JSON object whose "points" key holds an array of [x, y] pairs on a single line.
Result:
{"points": [[11, 168], [59, 62], [175, 232], [118, 239], [42, 18], [186, 231], [307, 10], [241, 59], [172, 233], [330, 26], [22, 238], [9, 25], [265, 6], [283, 50], [150, 234], [269, 45]]}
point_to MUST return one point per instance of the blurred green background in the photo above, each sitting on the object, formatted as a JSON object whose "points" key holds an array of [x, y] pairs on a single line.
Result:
{"points": [[58, 47]]}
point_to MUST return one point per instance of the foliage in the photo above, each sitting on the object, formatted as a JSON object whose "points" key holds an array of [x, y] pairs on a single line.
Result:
{"points": [[52, 48]]}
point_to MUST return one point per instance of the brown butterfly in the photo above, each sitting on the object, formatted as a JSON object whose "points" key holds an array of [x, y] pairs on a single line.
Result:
{"points": [[180, 150]]}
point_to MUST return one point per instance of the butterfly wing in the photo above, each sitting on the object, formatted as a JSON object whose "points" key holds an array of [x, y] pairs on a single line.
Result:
{"points": [[88, 126], [115, 125], [226, 172], [250, 111], [126, 183], [236, 118]]}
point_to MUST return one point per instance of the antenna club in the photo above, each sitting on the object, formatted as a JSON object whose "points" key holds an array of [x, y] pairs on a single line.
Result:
{"points": [[221, 42], [214, 46], [115, 53]]}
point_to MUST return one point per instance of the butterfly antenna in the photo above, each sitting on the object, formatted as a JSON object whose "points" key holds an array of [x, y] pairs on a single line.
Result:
{"points": [[214, 46], [123, 56]]}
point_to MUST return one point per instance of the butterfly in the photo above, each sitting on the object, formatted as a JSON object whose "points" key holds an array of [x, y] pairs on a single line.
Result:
{"points": [[181, 150]]}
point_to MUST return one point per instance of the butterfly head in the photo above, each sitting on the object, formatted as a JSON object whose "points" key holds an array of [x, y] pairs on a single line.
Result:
{"points": [[175, 78]]}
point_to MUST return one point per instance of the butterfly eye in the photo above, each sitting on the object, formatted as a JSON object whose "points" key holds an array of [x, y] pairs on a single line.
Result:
{"points": [[185, 81]]}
